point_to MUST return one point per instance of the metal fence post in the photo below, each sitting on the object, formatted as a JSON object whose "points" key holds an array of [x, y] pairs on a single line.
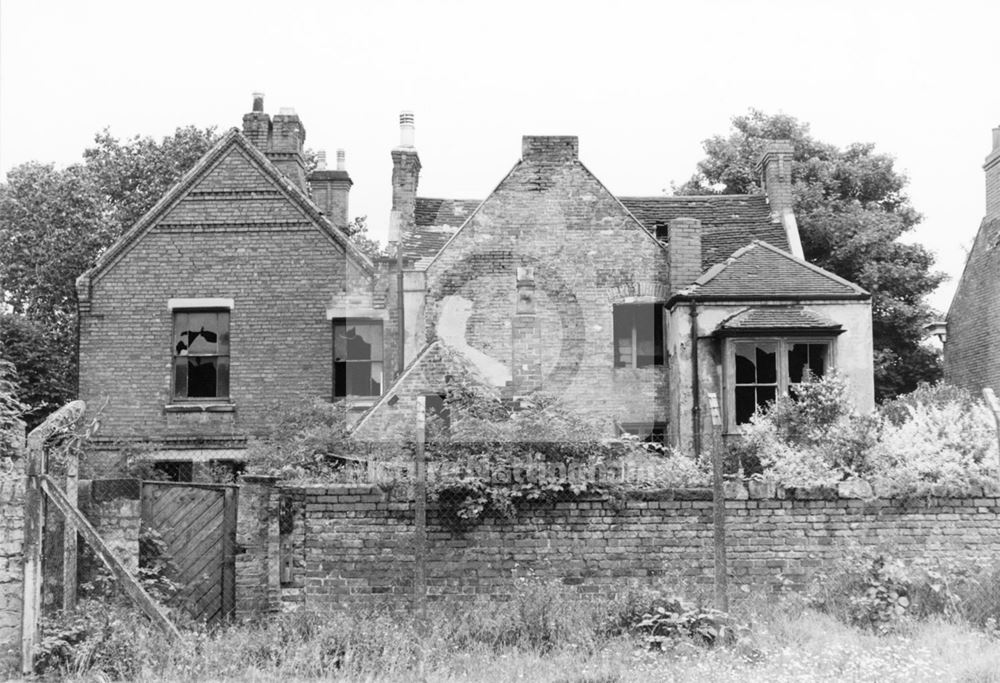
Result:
{"points": [[69, 533], [420, 511]]}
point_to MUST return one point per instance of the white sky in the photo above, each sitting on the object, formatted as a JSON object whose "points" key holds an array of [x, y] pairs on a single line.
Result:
{"points": [[642, 84]]}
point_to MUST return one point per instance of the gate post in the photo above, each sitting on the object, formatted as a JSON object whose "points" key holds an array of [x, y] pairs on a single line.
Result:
{"points": [[257, 582]]}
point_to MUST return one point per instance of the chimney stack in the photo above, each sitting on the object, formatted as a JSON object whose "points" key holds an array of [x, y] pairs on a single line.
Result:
{"points": [[683, 252], [550, 148], [775, 172], [405, 178], [288, 136], [330, 189], [257, 124], [992, 169], [280, 139]]}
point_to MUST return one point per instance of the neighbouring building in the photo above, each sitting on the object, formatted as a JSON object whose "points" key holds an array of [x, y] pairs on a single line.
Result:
{"points": [[972, 341], [240, 292]]}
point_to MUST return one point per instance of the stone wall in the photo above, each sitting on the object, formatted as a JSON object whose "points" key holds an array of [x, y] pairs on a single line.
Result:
{"points": [[346, 546], [12, 484]]}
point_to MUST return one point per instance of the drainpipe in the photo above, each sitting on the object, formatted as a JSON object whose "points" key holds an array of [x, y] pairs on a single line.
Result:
{"points": [[401, 347], [695, 383]]}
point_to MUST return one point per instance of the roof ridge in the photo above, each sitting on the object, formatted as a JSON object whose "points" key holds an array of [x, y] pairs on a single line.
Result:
{"points": [[179, 189]]}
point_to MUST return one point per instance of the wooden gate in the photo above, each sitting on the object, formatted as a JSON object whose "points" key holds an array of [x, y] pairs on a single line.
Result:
{"points": [[198, 525]]}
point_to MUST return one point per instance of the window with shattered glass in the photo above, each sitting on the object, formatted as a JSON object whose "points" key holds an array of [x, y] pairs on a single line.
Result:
{"points": [[201, 354], [652, 433], [638, 332], [762, 370], [357, 358]]}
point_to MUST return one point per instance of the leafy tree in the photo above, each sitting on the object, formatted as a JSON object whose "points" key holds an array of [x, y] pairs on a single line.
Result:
{"points": [[132, 176], [357, 231], [54, 223], [851, 207]]}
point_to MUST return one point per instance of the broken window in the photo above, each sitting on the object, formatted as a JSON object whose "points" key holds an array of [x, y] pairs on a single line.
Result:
{"points": [[357, 358], [638, 331], [173, 470], [653, 433], [762, 370], [201, 354]]}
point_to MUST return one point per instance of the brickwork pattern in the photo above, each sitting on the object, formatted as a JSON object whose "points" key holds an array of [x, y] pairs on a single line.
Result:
{"points": [[972, 349], [234, 235], [356, 543], [12, 484], [551, 214], [992, 169]]}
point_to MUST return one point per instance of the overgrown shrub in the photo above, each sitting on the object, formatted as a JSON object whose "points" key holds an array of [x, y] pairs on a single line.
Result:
{"points": [[11, 412], [880, 592], [939, 439]]}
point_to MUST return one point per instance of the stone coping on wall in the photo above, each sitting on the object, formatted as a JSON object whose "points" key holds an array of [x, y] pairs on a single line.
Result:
{"points": [[735, 490]]}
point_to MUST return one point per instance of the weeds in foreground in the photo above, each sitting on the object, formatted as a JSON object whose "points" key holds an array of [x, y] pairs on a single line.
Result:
{"points": [[548, 632]]}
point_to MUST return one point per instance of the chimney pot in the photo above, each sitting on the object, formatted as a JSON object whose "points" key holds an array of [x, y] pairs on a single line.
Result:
{"points": [[341, 160], [321, 160], [287, 111], [996, 138], [258, 102], [406, 129]]}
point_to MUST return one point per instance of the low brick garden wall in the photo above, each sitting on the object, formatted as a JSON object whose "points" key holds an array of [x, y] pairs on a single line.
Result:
{"points": [[348, 545]]}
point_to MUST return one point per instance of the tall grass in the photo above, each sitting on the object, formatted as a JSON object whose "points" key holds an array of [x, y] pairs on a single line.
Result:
{"points": [[544, 632]]}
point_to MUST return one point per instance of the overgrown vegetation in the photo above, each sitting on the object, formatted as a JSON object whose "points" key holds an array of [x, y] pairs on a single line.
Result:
{"points": [[546, 631], [939, 440], [11, 410], [495, 458]]}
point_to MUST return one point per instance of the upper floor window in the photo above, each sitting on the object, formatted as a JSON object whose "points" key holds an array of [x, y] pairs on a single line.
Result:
{"points": [[357, 357], [760, 370], [201, 354], [638, 330]]}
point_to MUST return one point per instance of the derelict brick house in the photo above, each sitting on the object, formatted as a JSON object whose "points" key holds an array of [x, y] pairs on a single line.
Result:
{"points": [[972, 346], [238, 291]]}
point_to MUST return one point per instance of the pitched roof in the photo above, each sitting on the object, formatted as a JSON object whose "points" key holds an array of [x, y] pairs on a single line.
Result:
{"points": [[762, 318], [441, 359], [232, 138], [436, 221], [729, 222], [762, 271]]}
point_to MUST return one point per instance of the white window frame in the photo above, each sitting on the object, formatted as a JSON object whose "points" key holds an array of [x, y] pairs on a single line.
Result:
{"points": [[783, 342]]}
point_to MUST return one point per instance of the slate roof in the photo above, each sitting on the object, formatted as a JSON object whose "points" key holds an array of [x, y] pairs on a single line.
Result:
{"points": [[728, 221], [776, 318], [762, 271], [437, 220]]}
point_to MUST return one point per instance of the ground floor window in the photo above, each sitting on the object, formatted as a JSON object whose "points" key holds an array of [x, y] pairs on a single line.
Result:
{"points": [[653, 433], [760, 370]]}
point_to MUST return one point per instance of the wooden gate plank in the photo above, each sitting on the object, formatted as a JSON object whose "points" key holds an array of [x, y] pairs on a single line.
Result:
{"points": [[197, 522]]}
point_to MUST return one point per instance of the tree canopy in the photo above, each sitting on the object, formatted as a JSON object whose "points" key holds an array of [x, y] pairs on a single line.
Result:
{"points": [[851, 208], [54, 223]]}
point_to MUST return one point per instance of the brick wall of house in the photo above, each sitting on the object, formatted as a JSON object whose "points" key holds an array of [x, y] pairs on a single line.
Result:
{"points": [[972, 349], [353, 545], [12, 483], [587, 253], [235, 235]]}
